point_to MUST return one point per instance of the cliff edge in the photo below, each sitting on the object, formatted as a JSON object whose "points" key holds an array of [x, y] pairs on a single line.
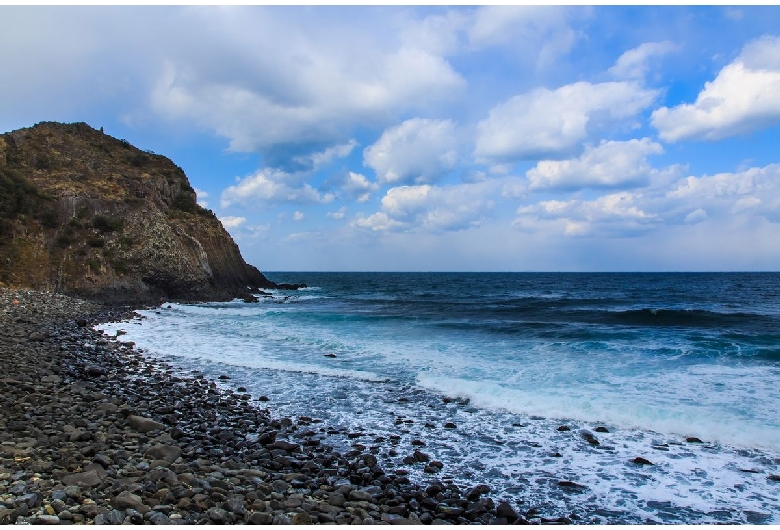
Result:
{"points": [[86, 214]]}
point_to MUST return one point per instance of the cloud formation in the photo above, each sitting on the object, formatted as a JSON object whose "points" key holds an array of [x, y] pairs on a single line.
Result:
{"points": [[416, 151], [610, 164], [548, 123], [633, 64], [272, 186], [744, 97]]}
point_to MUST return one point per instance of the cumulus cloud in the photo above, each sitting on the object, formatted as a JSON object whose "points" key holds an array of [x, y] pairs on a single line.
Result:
{"points": [[416, 151], [232, 222], [744, 97], [633, 64], [430, 208], [272, 186], [298, 216], [610, 164], [339, 214], [293, 80], [351, 185], [550, 123], [753, 193], [315, 161]]}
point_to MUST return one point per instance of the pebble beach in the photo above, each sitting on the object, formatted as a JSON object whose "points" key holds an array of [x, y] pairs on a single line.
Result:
{"points": [[92, 432]]}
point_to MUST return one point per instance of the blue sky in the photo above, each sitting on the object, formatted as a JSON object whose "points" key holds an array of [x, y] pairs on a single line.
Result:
{"points": [[436, 138]]}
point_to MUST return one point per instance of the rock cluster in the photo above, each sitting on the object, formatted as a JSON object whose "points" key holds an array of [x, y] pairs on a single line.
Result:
{"points": [[92, 432]]}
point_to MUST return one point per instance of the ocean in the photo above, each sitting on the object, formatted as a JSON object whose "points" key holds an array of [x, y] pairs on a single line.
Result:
{"points": [[503, 375]]}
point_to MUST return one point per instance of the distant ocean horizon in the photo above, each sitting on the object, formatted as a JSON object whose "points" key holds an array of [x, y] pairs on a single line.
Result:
{"points": [[522, 367]]}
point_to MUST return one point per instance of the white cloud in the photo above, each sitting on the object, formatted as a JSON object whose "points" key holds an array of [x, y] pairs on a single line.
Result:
{"points": [[298, 216], [232, 222], [744, 97], [633, 64], [358, 186], [615, 214], [751, 194], [542, 32], [339, 214], [267, 80], [610, 164], [429, 208], [315, 161], [272, 186], [416, 151], [201, 196], [550, 123]]}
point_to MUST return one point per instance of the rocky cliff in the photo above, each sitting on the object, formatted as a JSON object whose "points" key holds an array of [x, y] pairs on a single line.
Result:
{"points": [[87, 214]]}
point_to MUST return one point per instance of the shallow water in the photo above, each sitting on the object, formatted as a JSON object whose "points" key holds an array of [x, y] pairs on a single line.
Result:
{"points": [[654, 358]]}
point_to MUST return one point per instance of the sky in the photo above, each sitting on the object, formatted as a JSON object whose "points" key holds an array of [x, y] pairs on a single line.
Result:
{"points": [[481, 138]]}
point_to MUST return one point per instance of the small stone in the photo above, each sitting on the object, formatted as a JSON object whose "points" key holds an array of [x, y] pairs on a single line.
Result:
{"points": [[144, 425], [601, 429], [774, 478], [217, 515], [642, 461], [564, 428], [449, 425], [301, 518], [129, 501], [693, 440], [46, 519], [261, 518], [168, 453]]}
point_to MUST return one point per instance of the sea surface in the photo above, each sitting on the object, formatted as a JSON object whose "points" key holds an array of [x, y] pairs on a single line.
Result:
{"points": [[510, 358]]}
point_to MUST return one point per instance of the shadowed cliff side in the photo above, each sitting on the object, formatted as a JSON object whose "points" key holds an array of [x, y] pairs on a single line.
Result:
{"points": [[87, 214]]}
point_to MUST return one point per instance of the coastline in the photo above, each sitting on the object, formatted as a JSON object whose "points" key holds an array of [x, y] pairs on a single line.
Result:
{"points": [[93, 432]]}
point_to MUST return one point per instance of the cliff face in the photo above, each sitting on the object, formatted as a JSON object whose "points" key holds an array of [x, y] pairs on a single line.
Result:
{"points": [[84, 213]]}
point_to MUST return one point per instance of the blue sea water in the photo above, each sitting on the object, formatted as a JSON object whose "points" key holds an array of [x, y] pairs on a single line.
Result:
{"points": [[509, 358]]}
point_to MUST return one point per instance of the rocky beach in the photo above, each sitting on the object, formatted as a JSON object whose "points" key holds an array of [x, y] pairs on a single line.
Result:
{"points": [[91, 432]]}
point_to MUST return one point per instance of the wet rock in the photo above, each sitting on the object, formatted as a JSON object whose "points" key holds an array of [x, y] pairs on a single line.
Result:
{"points": [[642, 461], [568, 484], [601, 428], [693, 440], [588, 437], [564, 428], [774, 478], [478, 491], [301, 518], [129, 501], [89, 479], [169, 453], [506, 511], [144, 425], [449, 425]]}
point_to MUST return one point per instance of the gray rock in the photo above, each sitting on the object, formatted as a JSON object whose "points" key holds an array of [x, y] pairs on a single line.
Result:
{"points": [[169, 453], [261, 518], [301, 518], [217, 515], [46, 519], [141, 424], [92, 476], [129, 501], [358, 495], [159, 518]]}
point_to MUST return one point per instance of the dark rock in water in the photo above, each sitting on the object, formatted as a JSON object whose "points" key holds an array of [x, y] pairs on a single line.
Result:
{"points": [[262, 398], [141, 424], [475, 493], [249, 299], [642, 461], [241, 389], [601, 429], [224, 377], [693, 440], [419, 443], [564, 428], [588, 437], [774, 478], [556, 454], [506, 511], [331, 355], [419, 456], [568, 484], [449, 425]]}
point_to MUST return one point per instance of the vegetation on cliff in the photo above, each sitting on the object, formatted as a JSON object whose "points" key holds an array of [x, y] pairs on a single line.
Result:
{"points": [[84, 213]]}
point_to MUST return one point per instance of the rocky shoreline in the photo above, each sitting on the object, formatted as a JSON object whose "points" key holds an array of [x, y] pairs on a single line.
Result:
{"points": [[92, 432]]}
